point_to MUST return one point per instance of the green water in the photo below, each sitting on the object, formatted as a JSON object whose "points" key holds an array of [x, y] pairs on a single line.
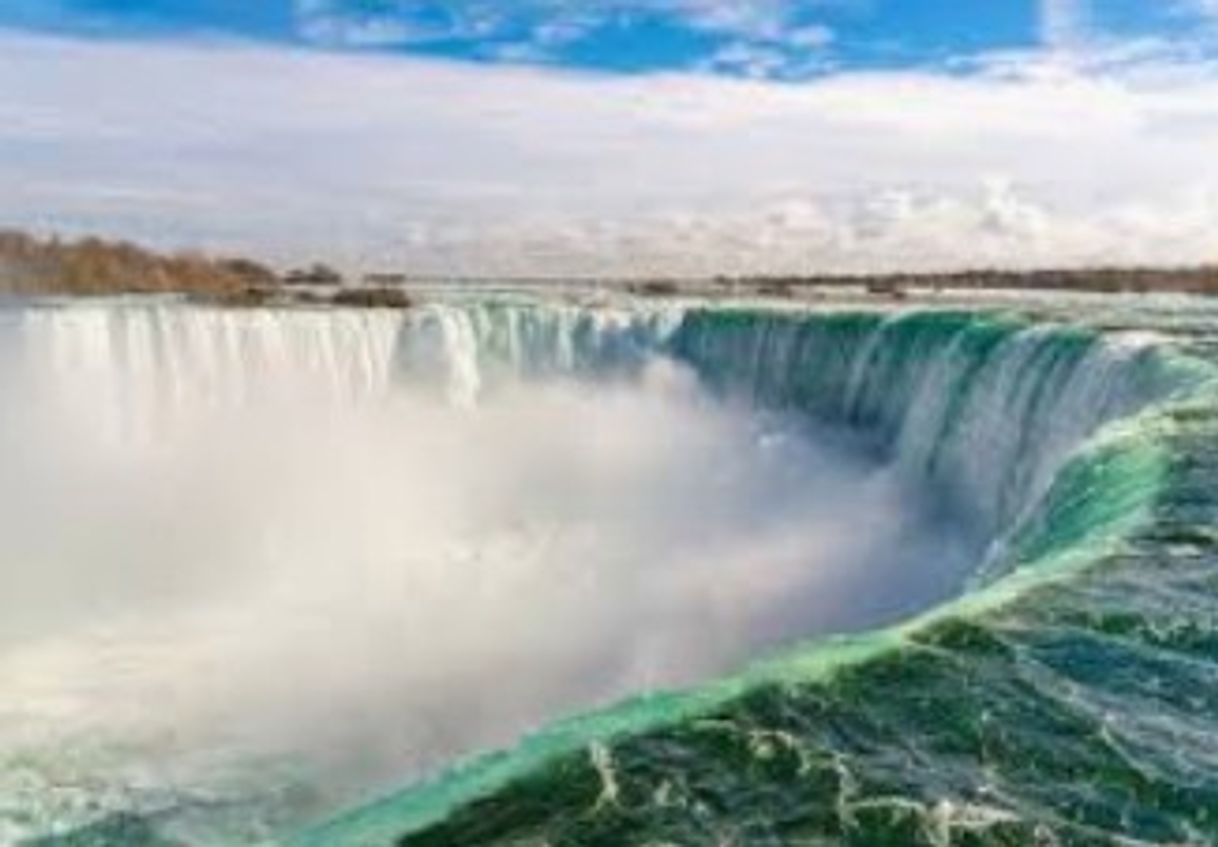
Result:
{"points": [[1070, 698]]}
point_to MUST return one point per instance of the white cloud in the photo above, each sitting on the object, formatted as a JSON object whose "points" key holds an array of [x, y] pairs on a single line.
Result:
{"points": [[1064, 23], [769, 23], [459, 169], [341, 23], [755, 61], [1204, 7], [755, 20], [760, 38], [810, 37]]}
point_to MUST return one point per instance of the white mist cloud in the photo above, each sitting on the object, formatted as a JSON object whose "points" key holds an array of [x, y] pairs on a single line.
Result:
{"points": [[443, 168], [280, 588]]}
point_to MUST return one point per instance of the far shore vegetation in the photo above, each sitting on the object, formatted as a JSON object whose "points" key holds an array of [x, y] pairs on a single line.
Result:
{"points": [[90, 266]]}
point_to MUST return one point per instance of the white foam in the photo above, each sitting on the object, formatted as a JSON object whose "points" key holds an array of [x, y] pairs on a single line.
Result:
{"points": [[247, 550]]}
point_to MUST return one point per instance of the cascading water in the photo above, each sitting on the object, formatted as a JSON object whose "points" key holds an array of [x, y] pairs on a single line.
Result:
{"points": [[361, 524], [987, 410]]}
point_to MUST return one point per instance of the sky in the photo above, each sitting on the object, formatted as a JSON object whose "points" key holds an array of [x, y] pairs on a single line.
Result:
{"points": [[619, 137]]}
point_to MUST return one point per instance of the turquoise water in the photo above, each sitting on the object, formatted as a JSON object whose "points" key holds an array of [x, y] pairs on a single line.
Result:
{"points": [[1070, 697]]}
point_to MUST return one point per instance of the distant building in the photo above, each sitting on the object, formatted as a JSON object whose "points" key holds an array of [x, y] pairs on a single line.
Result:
{"points": [[886, 287], [383, 279], [317, 274]]}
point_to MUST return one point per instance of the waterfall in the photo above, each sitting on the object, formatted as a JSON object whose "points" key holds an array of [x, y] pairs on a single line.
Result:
{"points": [[987, 409], [1030, 435]]}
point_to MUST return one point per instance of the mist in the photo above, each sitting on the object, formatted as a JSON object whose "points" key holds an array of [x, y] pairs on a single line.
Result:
{"points": [[291, 600]]}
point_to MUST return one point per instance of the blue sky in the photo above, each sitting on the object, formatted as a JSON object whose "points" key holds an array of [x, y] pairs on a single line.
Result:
{"points": [[619, 137], [782, 39]]}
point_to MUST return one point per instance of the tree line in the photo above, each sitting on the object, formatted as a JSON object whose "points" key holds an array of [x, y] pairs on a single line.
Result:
{"points": [[94, 266]]}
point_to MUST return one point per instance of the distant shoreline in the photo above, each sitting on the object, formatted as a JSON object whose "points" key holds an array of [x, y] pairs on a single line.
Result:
{"points": [[94, 267]]}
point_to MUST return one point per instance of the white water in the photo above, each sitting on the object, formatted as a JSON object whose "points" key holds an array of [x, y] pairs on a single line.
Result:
{"points": [[259, 565]]}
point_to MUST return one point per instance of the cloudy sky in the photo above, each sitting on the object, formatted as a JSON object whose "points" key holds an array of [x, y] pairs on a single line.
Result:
{"points": [[575, 137]]}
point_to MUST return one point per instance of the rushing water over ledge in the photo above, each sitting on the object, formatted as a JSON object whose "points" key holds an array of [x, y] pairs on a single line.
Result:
{"points": [[1006, 422]]}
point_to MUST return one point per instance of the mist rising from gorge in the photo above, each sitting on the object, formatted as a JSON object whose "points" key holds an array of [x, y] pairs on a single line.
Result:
{"points": [[361, 589]]}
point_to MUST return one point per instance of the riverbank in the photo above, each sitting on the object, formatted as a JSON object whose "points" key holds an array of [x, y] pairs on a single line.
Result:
{"points": [[90, 266]]}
